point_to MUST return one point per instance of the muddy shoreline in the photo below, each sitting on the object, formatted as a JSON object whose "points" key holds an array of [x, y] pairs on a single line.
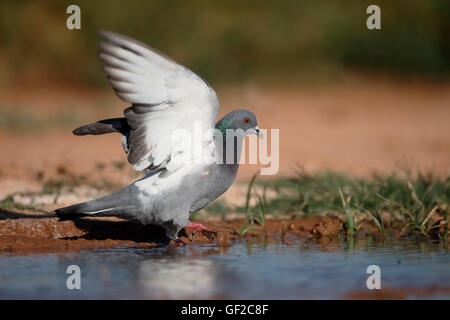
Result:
{"points": [[24, 233], [27, 232]]}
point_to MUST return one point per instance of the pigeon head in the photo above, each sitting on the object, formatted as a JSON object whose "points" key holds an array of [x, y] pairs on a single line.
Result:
{"points": [[242, 119]]}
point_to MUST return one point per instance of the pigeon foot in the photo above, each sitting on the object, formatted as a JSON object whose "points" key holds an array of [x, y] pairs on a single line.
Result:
{"points": [[180, 243], [198, 226]]}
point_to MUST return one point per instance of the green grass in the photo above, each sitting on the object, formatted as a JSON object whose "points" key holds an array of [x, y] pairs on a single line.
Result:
{"points": [[249, 220], [413, 204]]}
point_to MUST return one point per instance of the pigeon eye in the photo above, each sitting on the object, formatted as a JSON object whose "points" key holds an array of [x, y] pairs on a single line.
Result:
{"points": [[246, 120]]}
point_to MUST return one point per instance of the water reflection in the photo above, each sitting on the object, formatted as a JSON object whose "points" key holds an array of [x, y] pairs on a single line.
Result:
{"points": [[178, 279], [303, 269]]}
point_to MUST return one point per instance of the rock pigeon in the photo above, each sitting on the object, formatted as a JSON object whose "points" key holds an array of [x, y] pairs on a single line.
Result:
{"points": [[165, 96]]}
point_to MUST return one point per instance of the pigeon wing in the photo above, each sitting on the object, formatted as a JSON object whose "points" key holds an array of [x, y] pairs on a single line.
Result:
{"points": [[164, 96]]}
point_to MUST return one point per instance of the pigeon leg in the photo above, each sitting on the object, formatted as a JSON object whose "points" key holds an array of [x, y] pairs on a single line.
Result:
{"points": [[198, 226], [180, 243]]}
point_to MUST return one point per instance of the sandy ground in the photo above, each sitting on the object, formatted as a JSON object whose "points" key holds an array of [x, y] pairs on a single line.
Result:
{"points": [[357, 127]]}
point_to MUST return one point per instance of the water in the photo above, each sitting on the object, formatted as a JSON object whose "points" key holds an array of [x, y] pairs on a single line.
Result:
{"points": [[243, 271]]}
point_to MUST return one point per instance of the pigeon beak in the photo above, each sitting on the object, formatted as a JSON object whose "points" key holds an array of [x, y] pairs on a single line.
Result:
{"points": [[259, 133]]}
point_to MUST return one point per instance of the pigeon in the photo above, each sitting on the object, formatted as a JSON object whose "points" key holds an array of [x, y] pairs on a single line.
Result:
{"points": [[165, 97]]}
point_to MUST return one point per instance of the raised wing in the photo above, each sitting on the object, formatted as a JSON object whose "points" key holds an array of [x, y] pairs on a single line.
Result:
{"points": [[165, 96]]}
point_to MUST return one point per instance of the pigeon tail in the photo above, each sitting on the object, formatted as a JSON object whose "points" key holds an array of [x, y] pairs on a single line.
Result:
{"points": [[104, 126], [81, 210], [122, 203]]}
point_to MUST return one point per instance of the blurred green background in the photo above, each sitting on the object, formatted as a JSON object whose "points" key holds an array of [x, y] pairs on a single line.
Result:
{"points": [[229, 41]]}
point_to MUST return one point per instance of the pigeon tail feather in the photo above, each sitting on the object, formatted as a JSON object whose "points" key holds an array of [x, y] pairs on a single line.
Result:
{"points": [[104, 126], [119, 203]]}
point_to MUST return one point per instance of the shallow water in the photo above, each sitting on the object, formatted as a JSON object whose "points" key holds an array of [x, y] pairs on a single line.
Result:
{"points": [[243, 271]]}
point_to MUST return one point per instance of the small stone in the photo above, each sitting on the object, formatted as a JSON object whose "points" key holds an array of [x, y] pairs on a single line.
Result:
{"points": [[223, 239]]}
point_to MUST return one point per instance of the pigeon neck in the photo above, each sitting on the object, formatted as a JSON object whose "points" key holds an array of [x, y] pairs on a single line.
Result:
{"points": [[229, 151], [223, 125]]}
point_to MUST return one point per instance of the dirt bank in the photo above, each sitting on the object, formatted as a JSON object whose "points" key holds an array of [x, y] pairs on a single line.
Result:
{"points": [[37, 233]]}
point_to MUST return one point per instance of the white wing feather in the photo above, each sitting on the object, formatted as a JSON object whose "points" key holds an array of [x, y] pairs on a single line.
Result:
{"points": [[164, 94]]}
